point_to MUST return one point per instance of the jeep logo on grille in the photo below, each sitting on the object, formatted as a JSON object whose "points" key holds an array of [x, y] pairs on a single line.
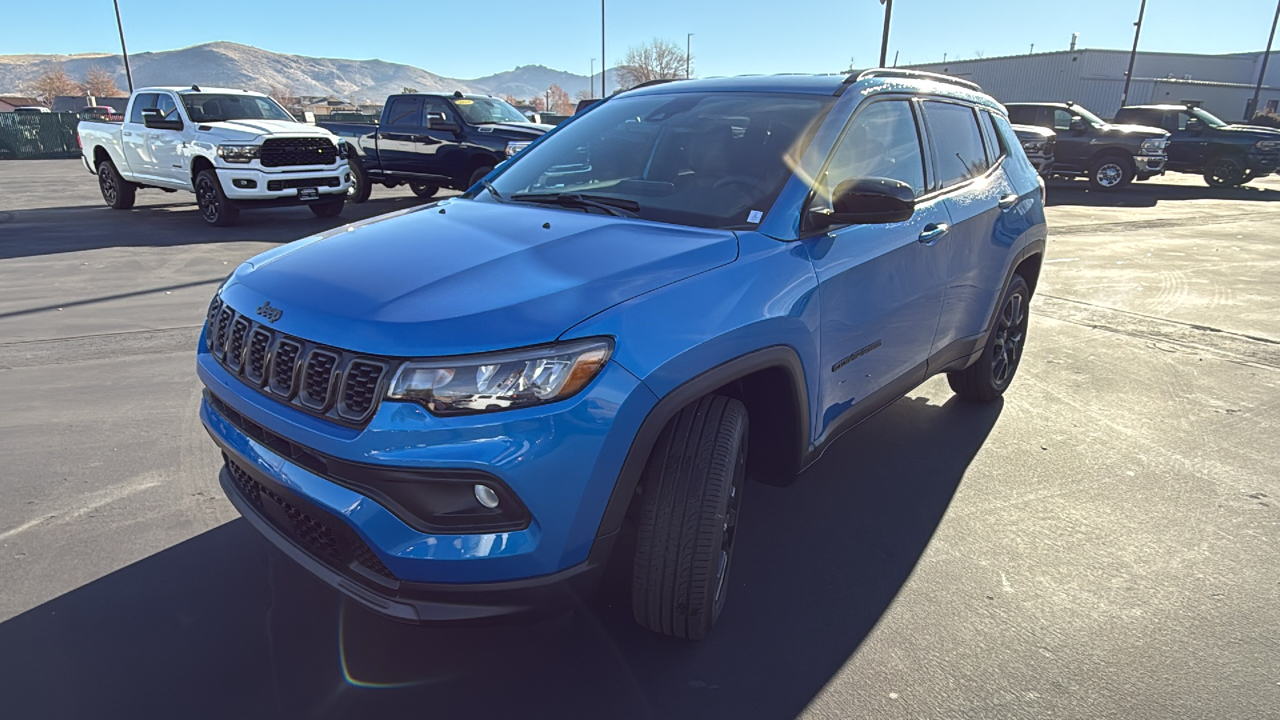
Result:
{"points": [[270, 313]]}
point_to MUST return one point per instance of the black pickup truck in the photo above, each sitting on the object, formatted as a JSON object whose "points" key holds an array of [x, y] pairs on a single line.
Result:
{"points": [[1111, 156], [430, 141], [1225, 155]]}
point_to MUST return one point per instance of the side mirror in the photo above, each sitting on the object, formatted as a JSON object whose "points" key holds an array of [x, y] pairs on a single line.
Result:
{"points": [[154, 119], [436, 121], [1077, 124], [1194, 127], [867, 201]]}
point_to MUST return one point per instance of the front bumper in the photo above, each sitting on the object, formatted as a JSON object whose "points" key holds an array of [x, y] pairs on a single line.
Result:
{"points": [[248, 184], [1261, 164], [1150, 164]]}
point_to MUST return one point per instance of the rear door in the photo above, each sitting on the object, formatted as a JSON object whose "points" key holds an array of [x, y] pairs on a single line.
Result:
{"points": [[133, 138], [880, 285], [397, 137]]}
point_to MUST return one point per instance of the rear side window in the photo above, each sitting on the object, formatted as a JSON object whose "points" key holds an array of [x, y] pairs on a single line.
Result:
{"points": [[405, 111], [958, 152], [1022, 115], [146, 101], [995, 149], [880, 141]]}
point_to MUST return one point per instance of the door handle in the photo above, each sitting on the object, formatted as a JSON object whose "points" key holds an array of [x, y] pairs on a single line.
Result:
{"points": [[126, 133], [1008, 201], [934, 232]]}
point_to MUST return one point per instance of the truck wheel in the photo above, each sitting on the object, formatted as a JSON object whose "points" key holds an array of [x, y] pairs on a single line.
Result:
{"points": [[424, 190], [990, 376], [360, 187], [328, 208], [479, 174], [118, 193], [1224, 171], [215, 208], [1110, 172], [689, 516]]}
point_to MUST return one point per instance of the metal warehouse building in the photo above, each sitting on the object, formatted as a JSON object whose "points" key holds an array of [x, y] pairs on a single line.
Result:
{"points": [[1222, 84]]}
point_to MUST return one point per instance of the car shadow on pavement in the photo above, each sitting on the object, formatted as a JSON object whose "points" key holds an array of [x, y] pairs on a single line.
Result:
{"points": [[1147, 194], [45, 231], [224, 626]]}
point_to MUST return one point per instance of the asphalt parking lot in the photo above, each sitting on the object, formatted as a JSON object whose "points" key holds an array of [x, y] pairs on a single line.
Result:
{"points": [[1101, 544]]}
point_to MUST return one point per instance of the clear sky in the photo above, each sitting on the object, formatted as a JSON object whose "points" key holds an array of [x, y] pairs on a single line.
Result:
{"points": [[466, 38]]}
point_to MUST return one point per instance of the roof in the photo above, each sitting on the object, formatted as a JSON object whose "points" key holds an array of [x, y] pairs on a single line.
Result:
{"points": [[1040, 104], [1166, 106], [830, 84], [19, 100], [191, 90]]}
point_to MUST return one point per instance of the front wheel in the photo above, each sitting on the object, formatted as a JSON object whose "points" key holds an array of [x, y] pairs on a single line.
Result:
{"points": [[988, 378], [1225, 172], [328, 208], [424, 190], [479, 174], [118, 193], [215, 208], [691, 492], [1110, 173], [360, 188]]}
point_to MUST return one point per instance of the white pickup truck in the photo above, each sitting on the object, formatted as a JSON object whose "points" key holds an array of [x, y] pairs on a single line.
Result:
{"points": [[233, 149]]}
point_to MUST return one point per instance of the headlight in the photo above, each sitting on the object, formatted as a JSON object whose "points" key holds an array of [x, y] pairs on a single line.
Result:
{"points": [[1033, 146], [238, 153], [515, 147], [501, 381], [1268, 145], [1154, 146]]}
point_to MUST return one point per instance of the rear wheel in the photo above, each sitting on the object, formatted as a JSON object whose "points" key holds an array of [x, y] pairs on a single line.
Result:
{"points": [[215, 208], [360, 188], [1110, 172], [990, 376], [1225, 171], [118, 193], [689, 517], [328, 208], [424, 190]]}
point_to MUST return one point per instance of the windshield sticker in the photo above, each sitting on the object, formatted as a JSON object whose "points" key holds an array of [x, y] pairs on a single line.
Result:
{"points": [[754, 216], [464, 102]]}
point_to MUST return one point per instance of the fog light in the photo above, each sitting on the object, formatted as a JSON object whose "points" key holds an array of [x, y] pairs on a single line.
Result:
{"points": [[245, 184], [486, 496]]}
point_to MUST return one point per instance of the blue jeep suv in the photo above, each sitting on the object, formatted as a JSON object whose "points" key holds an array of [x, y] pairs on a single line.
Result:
{"points": [[452, 413]]}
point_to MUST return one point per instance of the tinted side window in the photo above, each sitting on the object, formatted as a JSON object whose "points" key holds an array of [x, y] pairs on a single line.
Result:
{"points": [[995, 150], [1022, 115], [880, 141], [140, 103], [958, 153], [405, 111]]}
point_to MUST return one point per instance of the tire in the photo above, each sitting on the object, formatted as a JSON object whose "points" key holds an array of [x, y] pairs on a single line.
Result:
{"points": [[988, 377], [118, 193], [215, 208], [479, 174], [328, 208], [1250, 176], [424, 190], [688, 519], [360, 187], [1224, 171], [1110, 172]]}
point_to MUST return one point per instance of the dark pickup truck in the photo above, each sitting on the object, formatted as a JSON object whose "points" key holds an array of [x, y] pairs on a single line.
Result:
{"points": [[1225, 155], [1111, 156], [430, 141]]}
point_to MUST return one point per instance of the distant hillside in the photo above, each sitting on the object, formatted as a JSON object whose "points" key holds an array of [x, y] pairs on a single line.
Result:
{"points": [[242, 66]]}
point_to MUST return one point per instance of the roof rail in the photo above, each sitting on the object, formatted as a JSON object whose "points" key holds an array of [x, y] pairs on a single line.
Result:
{"points": [[917, 74]]}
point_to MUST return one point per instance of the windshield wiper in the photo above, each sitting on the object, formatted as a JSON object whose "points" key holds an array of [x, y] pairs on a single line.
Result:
{"points": [[617, 207]]}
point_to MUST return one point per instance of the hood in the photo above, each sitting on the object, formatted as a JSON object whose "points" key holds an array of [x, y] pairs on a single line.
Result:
{"points": [[1033, 132], [1142, 131], [521, 130], [478, 276], [244, 130], [1258, 131]]}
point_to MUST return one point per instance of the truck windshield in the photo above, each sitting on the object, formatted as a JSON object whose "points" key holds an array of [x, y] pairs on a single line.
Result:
{"points": [[1206, 117], [712, 160], [486, 111], [211, 107]]}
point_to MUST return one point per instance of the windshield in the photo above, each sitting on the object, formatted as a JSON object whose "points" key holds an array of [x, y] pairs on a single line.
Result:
{"points": [[1089, 117], [1206, 117], [712, 160], [486, 111], [209, 107]]}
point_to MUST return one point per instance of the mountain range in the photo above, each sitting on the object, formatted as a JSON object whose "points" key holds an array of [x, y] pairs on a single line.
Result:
{"points": [[226, 64]]}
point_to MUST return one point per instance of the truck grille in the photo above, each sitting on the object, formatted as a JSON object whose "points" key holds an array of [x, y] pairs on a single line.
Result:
{"points": [[323, 536], [326, 382], [282, 152]]}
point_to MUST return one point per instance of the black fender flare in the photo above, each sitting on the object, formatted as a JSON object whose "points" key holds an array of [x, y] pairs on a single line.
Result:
{"points": [[782, 357]]}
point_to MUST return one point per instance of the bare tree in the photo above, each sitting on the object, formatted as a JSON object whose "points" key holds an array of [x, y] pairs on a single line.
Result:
{"points": [[511, 99], [658, 60], [560, 102], [284, 96], [52, 84], [584, 94], [100, 83], [408, 90]]}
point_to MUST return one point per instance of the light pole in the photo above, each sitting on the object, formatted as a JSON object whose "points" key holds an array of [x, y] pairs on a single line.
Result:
{"points": [[124, 52], [604, 59], [1133, 54], [884, 41], [688, 39], [1262, 74]]}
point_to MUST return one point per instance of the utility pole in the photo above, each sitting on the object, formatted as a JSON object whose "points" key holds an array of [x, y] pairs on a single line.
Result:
{"points": [[592, 77], [1133, 54], [1262, 74], [604, 59], [688, 38], [124, 52], [884, 41]]}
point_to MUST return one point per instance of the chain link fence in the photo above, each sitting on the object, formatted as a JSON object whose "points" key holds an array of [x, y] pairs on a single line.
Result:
{"points": [[25, 136]]}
